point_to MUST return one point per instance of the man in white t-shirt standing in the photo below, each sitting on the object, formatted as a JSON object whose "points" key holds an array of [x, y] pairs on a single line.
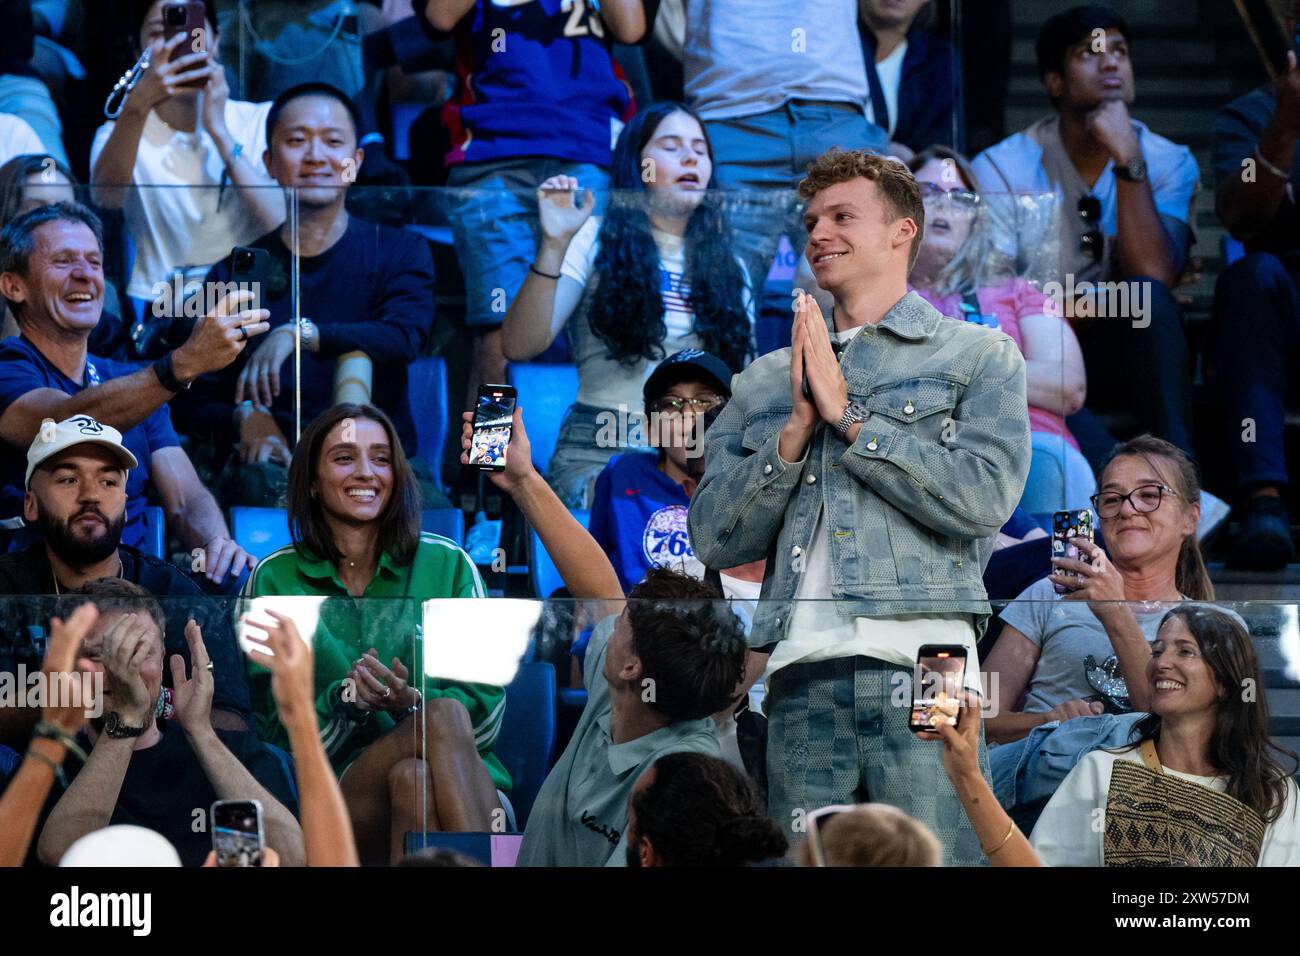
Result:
{"points": [[875, 498], [178, 128]]}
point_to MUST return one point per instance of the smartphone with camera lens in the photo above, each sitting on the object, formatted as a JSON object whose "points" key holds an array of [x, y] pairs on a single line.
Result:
{"points": [[237, 836], [1067, 525], [189, 19], [248, 269], [937, 685], [494, 416]]}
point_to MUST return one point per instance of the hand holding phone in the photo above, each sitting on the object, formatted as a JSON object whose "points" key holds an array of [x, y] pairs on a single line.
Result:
{"points": [[1067, 525], [190, 20], [494, 415], [937, 686], [237, 836]]}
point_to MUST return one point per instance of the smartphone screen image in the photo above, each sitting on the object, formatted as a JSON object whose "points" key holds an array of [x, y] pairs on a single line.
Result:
{"points": [[237, 836], [1067, 525], [937, 686], [492, 422]]}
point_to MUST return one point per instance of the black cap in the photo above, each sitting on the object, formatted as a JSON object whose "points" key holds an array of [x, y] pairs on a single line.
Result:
{"points": [[688, 365]]}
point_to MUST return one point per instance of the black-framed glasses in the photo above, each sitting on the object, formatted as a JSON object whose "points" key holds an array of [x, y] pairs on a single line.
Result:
{"points": [[964, 198], [1144, 499], [1090, 243], [674, 405]]}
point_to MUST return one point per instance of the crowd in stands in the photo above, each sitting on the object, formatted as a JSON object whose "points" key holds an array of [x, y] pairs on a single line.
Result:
{"points": [[834, 379]]}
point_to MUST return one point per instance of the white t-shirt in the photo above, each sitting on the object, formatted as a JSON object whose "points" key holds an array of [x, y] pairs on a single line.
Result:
{"points": [[1070, 831], [602, 381], [17, 138], [890, 71], [819, 632], [176, 228]]}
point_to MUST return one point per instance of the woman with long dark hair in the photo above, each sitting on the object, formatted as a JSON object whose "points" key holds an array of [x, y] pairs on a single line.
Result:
{"points": [[655, 275], [1201, 784]]}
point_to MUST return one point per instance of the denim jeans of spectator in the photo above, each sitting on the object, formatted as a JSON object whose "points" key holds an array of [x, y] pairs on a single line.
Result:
{"points": [[763, 157], [837, 733], [1060, 479], [1256, 334], [1140, 363], [583, 449], [493, 212], [29, 98]]}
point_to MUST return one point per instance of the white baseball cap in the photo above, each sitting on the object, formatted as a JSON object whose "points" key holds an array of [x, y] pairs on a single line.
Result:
{"points": [[121, 845], [52, 439]]}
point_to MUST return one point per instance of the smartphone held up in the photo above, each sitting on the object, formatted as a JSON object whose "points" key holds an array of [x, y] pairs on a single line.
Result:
{"points": [[494, 415], [937, 686]]}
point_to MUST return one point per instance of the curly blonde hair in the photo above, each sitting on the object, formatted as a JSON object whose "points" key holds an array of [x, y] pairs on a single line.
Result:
{"points": [[897, 186]]}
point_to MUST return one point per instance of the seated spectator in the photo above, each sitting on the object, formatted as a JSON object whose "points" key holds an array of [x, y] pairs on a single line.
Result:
{"points": [[163, 142], [960, 271], [1148, 505], [1257, 305], [1201, 784], [354, 513], [690, 809], [77, 475], [638, 511], [33, 180], [655, 275], [51, 271], [361, 287], [547, 104], [1110, 169], [910, 74], [143, 772], [653, 675]]}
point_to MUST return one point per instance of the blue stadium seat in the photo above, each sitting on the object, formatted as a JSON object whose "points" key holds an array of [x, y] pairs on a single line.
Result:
{"points": [[545, 394], [528, 734], [426, 390], [260, 531], [448, 522], [155, 532], [541, 569]]}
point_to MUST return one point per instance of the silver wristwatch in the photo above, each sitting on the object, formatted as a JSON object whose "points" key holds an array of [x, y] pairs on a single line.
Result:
{"points": [[853, 413], [309, 333]]}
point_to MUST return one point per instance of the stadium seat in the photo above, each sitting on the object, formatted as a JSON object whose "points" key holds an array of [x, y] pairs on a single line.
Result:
{"points": [[260, 531], [426, 389], [448, 522], [155, 532], [528, 734], [541, 569], [545, 394]]}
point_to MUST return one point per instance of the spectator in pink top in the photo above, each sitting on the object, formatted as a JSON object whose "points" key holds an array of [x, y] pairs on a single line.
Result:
{"points": [[960, 271]]}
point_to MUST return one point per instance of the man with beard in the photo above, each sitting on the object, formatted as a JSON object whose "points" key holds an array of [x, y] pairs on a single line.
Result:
{"points": [[76, 497]]}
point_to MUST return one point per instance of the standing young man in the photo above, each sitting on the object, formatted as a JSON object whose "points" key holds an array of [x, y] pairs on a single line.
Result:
{"points": [[884, 490]]}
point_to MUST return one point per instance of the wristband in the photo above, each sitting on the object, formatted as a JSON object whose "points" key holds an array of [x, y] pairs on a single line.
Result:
{"points": [[545, 275], [166, 372], [414, 708]]}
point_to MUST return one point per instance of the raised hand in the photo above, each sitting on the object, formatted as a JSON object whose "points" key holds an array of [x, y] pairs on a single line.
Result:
{"points": [[519, 452], [61, 658], [290, 662], [560, 217], [218, 337], [193, 698]]}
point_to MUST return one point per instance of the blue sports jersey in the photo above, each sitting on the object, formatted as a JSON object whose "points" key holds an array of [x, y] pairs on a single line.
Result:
{"points": [[536, 79], [23, 368], [638, 516]]}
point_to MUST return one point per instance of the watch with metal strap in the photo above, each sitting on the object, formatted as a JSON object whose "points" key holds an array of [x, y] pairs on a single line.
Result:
{"points": [[853, 413], [310, 334], [114, 727], [1134, 171]]}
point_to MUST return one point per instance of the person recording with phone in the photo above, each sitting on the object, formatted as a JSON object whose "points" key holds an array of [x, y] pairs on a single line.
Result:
{"points": [[885, 490], [154, 772], [52, 274], [364, 291], [178, 128], [1149, 505]]}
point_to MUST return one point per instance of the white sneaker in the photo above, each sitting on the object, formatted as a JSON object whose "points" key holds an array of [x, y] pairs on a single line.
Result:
{"points": [[1214, 512]]}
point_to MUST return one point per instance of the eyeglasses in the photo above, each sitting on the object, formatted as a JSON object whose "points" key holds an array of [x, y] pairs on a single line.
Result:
{"points": [[673, 405], [1143, 498], [958, 197], [1090, 243]]}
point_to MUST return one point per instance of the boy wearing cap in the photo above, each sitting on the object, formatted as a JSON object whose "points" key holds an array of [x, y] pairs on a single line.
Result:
{"points": [[638, 511]]}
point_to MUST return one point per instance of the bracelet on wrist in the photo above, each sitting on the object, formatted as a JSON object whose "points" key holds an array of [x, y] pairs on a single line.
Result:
{"points": [[45, 730], [1276, 171], [538, 272]]}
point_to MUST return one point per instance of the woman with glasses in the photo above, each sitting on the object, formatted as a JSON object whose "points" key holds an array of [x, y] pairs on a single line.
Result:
{"points": [[638, 508], [960, 271], [1201, 784], [656, 274], [1061, 656]]}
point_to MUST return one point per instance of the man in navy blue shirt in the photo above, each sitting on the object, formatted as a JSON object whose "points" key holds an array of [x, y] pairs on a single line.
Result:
{"points": [[52, 274], [638, 511], [362, 288]]}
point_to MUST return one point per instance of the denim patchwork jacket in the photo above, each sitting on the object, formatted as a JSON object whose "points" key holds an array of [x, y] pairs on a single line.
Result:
{"points": [[912, 506]]}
